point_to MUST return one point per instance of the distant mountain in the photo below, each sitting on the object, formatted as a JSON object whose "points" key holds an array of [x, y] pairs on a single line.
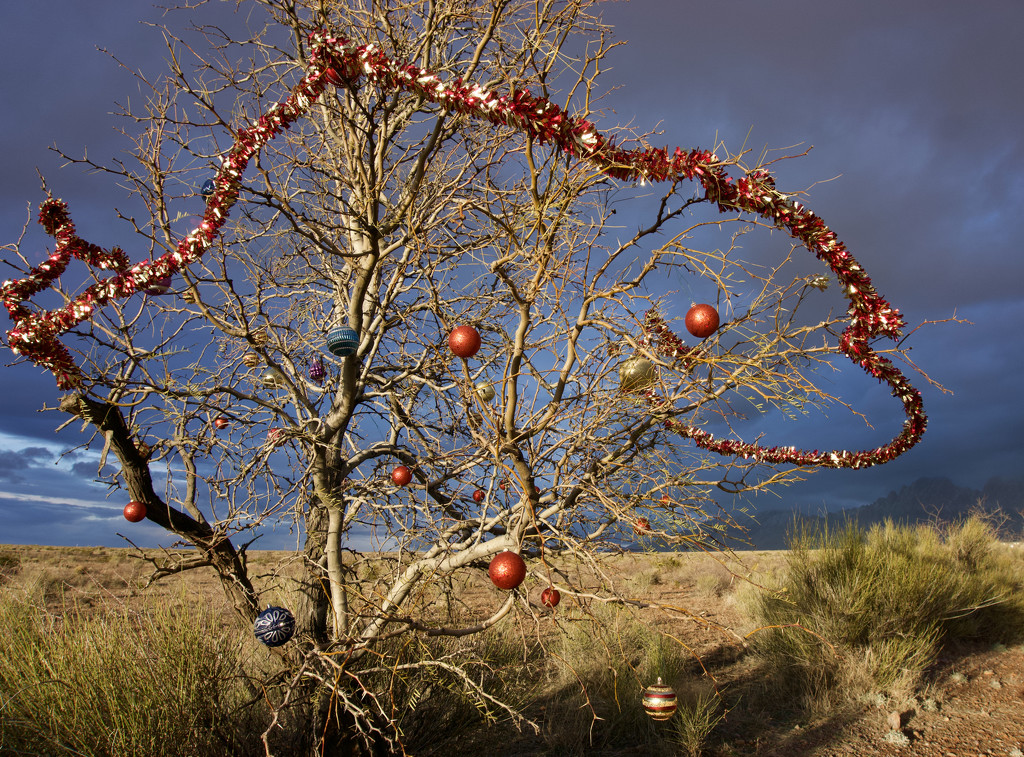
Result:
{"points": [[926, 499]]}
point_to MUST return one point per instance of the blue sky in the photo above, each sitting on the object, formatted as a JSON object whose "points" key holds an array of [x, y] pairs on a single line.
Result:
{"points": [[913, 112]]}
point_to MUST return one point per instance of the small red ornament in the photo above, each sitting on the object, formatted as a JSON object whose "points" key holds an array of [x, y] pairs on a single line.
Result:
{"points": [[134, 511], [550, 597], [478, 495], [665, 499], [464, 341], [642, 525], [401, 475], [332, 75], [702, 321], [507, 570], [503, 485], [660, 701], [220, 422]]}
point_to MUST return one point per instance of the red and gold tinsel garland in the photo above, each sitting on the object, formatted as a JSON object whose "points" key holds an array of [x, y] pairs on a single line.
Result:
{"points": [[339, 61]]}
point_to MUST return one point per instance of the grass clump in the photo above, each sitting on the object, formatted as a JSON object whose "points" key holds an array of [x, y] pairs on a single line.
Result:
{"points": [[858, 611], [121, 683], [601, 661]]}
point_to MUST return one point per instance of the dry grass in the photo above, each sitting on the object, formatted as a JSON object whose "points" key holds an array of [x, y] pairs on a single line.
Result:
{"points": [[577, 672]]}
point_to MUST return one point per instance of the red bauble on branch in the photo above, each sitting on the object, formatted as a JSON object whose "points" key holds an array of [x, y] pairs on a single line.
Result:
{"points": [[464, 341], [642, 526], [220, 423], [507, 570], [478, 495], [550, 597], [401, 475], [702, 321], [134, 511]]}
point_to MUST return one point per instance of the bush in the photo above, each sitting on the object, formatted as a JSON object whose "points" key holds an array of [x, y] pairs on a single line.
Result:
{"points": [[160, 683], [869, 611]]}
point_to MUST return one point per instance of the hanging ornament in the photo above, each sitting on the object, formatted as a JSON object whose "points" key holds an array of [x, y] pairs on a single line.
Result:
{"points": [[274, 626], [274, 436], [637, 373], [342, 341], [485, 391], [660, 701], [221, 422], [259, 336], [272, 377], [464, 341], [478, 495], [159, 286], [642, 526], [503, 484], [550, 597], [401, 475], [702, 321], [207, 188], [134, 511], [251, 359], [332, 76], [507, 570], [317, 372]]}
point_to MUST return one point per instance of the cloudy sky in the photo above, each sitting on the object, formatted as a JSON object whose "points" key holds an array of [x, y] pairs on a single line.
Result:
{"points": [[913, 110]]}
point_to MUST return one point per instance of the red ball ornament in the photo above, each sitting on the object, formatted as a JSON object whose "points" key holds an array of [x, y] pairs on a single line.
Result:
{"points": [[332, 75], [134, 511], [507, 570], [642, 525], [550, 597], [702, 321], [220, 422], [478, 495], [464, 341], [660, 701], [401, 475]]}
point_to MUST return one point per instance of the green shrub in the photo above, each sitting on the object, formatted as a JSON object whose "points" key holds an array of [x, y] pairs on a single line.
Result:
{"points": [[861, 611], [161, 683]]}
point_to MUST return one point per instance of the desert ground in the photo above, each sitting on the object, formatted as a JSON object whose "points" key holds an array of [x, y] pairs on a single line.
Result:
{"points": [[971, 702]]}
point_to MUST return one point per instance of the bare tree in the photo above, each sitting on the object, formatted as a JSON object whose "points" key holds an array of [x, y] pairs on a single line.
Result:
{"points": [[432, 166]]}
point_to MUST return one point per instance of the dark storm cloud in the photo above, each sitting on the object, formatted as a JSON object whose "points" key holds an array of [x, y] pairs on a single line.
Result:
{"points": [[913, 112], [13, 464]]}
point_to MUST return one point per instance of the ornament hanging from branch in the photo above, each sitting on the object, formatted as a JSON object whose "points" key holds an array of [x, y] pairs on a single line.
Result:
{"points": [[274, 626], [702, 321], [507, 570], [134, 511], [660, 701], [342, 62], [464, 341]]}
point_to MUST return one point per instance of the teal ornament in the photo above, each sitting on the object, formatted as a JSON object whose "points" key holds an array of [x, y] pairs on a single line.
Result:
{"points": [[207, 189], [274, 626], [342, 341]]}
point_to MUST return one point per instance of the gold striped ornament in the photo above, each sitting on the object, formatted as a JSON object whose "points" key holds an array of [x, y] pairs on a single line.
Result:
{"points": [[660, 701]]}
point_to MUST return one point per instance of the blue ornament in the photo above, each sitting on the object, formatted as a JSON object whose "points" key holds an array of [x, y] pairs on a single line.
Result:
{"points": [[274, 626], [207, 189], [342, 341]]}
